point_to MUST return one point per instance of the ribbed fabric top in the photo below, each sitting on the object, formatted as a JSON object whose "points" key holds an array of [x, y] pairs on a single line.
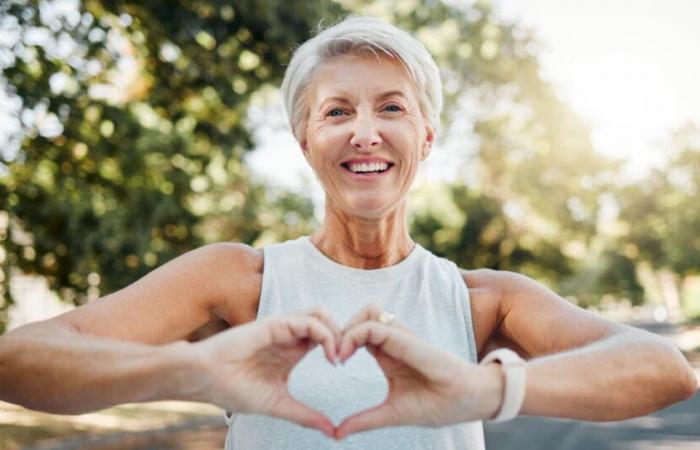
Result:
{"points": [[425, 292]]}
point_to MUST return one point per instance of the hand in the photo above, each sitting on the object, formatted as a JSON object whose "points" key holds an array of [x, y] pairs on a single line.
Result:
{"points": [[427, 386], [248, 365]]}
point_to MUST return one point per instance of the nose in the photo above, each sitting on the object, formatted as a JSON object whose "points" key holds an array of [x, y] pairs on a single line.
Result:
{"points": [[365, 135]]}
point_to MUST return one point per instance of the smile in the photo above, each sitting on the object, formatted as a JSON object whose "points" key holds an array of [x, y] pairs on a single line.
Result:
{"points": [[372, 170]]}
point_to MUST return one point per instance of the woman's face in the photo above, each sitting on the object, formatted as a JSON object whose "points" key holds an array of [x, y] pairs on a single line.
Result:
{"points": [[365, 135]]}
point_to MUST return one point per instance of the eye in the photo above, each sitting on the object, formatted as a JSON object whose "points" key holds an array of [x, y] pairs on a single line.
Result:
{"points": [[393, 108], [335, 112]]}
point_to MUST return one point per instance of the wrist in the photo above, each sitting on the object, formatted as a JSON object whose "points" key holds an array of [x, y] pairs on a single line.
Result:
{"points": [[186, 368], [493, 389]]}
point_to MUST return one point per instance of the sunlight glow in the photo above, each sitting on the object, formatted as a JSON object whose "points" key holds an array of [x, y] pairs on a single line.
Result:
{"points": [[629, 68]]}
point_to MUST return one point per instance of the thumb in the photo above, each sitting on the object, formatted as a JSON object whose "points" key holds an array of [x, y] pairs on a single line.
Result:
{"points": [[293, 410], [379, 416]]}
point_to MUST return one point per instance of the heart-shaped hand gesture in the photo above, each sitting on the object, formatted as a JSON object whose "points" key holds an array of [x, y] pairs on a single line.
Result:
{"points": [[427, 386], [246, 368]]}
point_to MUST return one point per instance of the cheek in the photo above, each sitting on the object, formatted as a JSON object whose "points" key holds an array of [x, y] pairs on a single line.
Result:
{"points": [[325, 137], [405, 137], [324, 148]]}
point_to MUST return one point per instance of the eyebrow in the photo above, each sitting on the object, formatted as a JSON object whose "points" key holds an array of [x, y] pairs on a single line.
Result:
{"points": [[381, 96]]}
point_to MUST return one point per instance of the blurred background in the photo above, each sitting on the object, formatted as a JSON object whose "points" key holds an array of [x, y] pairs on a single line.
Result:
{"points": [[132, 132]]}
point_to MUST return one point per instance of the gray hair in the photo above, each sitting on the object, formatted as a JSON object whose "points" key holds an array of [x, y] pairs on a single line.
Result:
{"points": [[357, 35]]}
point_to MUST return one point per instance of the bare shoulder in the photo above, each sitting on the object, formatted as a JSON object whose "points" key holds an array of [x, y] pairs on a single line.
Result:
{"points": [[176, 299], [238, 277], [517, 312], [241, 283], [484, 299]]}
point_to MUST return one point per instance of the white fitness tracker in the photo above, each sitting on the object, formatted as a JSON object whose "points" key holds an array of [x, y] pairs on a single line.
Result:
{"points": [[513, 367]]}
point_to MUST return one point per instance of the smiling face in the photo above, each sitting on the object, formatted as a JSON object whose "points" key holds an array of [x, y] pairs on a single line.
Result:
{"points": [[365, 134]]}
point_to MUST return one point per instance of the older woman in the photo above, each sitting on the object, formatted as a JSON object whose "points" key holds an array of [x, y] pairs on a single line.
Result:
{"points": [[363, 99]]}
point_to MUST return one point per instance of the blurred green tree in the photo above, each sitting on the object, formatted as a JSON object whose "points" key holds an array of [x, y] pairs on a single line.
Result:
{"points": [[133, 133], [665, 213], [660, 216]]}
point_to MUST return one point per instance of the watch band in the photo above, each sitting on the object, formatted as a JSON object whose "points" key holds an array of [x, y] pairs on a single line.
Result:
{"points": [[513, 367]]}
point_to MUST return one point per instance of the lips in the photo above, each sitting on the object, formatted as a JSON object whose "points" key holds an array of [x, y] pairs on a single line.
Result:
{"points": [[366, 161], [366, 175], [348, 165]]}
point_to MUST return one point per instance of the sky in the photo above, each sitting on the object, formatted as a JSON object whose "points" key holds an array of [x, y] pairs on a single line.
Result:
{"points": [[630, 68]]}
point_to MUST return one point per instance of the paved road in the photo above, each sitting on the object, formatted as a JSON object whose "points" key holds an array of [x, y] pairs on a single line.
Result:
{"points": [[673, 428], [206, 433]]}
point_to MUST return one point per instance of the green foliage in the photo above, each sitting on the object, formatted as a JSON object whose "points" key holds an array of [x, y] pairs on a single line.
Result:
{"points": [[662, 213], [472, 230], [147, 160], [656, 224], [604, 272]]}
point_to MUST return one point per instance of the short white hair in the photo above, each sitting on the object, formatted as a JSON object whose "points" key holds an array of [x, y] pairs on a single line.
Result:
{"points": [[356, 35]]}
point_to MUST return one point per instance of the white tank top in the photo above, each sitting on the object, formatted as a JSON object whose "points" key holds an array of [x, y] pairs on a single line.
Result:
{"points": [[425, 292]]}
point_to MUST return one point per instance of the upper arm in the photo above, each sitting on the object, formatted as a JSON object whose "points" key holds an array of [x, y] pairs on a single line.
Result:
{"points": [[170, 302], [529, 318]]}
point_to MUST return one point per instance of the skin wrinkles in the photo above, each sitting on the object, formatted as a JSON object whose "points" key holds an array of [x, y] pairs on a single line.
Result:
{"points": [[362, 106]]}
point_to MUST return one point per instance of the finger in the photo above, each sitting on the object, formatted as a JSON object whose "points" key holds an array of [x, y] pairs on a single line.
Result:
{"points": [[366, 334], [257, 335], [317, 331], [324, 315], [371, 312], [377, 417], [395, 342], [294, 328], [295, 411]]}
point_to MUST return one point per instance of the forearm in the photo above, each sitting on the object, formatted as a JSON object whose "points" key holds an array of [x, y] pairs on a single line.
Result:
{"points": [[627, 375], [64, 372]]}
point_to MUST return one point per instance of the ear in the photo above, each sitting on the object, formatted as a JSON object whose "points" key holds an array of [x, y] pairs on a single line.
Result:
{"points": [[427, 143], [304, 149]]}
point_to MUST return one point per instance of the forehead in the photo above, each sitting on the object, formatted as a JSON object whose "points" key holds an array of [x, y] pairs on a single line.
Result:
{"points": [[359, 76]]}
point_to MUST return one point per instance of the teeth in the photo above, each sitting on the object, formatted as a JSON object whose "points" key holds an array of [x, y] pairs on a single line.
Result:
{"points": [[372, 167]]}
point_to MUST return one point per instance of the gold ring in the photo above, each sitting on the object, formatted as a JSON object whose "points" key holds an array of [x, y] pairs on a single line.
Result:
{"points": [[386, 317]]}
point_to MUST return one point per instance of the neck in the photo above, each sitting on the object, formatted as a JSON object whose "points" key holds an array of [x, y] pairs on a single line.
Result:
{"points": [[364, 243]]}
